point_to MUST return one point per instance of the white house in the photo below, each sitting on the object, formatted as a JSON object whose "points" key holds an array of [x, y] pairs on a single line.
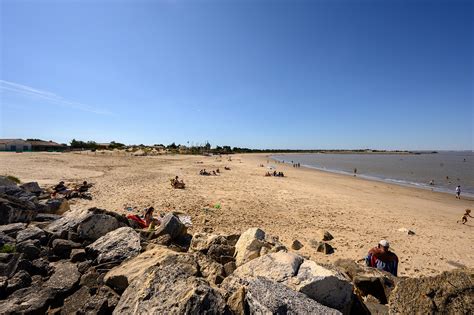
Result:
{"points": [[16, 145]]}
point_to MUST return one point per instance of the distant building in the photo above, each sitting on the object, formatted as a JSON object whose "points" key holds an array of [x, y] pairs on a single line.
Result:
{"points": [[40, 145], [15, 145]]}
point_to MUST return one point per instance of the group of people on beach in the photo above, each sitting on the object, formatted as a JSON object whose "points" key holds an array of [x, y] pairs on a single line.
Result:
{"points": [[275, 173], [80, 191], [296, 165], [206, 173]]}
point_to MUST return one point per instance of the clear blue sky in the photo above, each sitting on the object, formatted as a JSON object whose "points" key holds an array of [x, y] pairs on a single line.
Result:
{"points": [[260, 74]]}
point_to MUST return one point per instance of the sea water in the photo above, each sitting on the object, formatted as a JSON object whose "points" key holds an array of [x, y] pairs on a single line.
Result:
{"points": [[445, 169]]}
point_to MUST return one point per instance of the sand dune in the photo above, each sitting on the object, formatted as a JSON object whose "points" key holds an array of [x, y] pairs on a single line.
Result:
{"points": [[357, 212]]}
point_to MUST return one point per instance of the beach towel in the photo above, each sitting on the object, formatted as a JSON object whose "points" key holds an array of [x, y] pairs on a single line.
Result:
{"points": [[137, 219]]}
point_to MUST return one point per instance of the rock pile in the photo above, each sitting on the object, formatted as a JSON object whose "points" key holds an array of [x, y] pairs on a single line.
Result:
{"points": [[95, 262]]}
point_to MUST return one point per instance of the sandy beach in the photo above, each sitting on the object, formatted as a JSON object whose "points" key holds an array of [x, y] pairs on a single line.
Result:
{"points": [[357, 212]]}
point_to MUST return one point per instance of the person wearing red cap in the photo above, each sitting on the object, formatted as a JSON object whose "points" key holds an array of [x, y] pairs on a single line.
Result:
{"points": [[382, 258]]}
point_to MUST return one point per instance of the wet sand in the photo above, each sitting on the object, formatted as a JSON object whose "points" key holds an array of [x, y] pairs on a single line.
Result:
{"points": [[357, 212]]}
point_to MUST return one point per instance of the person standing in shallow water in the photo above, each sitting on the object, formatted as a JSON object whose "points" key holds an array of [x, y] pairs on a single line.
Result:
{"points": [[458, 192]]}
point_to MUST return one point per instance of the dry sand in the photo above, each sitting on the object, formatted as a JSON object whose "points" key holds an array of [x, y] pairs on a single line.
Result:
{"points": [[357, 212]]}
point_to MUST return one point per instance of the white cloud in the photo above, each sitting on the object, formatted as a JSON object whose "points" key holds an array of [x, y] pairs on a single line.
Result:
{"points": [[49, 97]]}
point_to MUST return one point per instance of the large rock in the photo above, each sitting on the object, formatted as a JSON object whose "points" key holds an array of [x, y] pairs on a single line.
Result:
{"points": [[37, 298], [170, 289], [87, 224], [62, 248], [31, 249], [263, 296], [64, 278], [31, 232], [55, 206], [69, 222], [16, 210], [448, 293], [8, 264], [249, 245], [171, 225], [368, 281], [116, 246], [19, 281], [5, 181], [323, 285], [121, 276], [202, 241], [278, 267], [32, 187], [210, 269], [12, 229], [98, 225]]}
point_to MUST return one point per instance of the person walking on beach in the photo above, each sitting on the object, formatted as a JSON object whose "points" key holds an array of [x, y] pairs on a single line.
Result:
{"points": [[458, 192], [355, 172], [382, 258]]}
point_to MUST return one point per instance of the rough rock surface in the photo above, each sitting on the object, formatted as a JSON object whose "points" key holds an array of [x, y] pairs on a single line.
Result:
{"points": [[326, 286], [448, 293], [31, 232], [32, 187], [267, 297], [249, 245], [121, 276], [171, 225], [276, 266], [172, 289], [368, 281], [16, 210], [116, 246], [97, 225]]}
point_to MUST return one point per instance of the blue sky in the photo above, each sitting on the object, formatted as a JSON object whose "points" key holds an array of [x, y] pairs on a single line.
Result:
{"points": [[260, 74]]}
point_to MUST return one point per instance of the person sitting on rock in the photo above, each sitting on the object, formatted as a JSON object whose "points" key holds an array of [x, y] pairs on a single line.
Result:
{"points": [[382, 258]]}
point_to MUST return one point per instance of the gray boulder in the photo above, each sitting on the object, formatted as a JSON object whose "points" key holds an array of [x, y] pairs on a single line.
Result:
{"points": [[37, 298], [278, 267], [19, 281], [321, 284], [32, 187], [263, 296], [451, 292], [62, 248], [31, 249], [12, 229], [86, 224], [249, 245], [55, 206], [5, 181], [98, 225], [16, 210], [116, 246], [171, 225], [31, 233], [171, 289]]}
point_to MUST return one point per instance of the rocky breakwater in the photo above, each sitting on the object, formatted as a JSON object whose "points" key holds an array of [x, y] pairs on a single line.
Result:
{"points": [[96, 262]]}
